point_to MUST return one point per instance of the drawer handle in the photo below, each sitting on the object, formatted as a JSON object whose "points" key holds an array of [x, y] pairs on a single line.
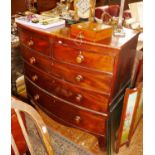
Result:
{"points": [[34, 78], [79, 78], [32, 60], [36, 97], [30, 43], [79, 58], [60, 42], [79, 98], [77, 119]]}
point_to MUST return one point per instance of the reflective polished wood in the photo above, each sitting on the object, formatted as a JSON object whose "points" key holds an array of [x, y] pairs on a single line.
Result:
{"points": [[78, 83]]}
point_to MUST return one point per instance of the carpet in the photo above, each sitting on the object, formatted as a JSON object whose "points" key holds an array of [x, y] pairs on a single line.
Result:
{"points": [[60, 144]]}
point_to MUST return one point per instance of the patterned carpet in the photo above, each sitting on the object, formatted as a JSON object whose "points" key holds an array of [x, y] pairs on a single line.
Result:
{"points": [[88, 142], [60, 144]]}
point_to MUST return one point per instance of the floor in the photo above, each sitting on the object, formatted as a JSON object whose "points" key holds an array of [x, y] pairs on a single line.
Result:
{"points": [[90, 142]]}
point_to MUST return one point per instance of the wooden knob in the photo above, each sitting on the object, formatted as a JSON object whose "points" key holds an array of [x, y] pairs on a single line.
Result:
{"points": [[79, 78], [30, 43], [36, 97], [60, 42], [77, 119], [81, 36], [80, 58], [79, 98], [32, 60], [34, 78]]}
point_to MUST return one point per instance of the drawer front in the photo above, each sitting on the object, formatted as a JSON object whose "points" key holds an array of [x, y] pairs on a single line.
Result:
{"points": [[36, 59], [91, 60], [71, 93], [37, 42], [69, 114], [82, 77]]}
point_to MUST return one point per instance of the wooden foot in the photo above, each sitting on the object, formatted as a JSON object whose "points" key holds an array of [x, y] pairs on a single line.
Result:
{"points": [[102, 143]]}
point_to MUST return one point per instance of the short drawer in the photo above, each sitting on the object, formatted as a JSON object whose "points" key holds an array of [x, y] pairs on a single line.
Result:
{"points": [[34, 41], [71, 115], [36, 59], [83, 77], [71, 93], [91, 60]]}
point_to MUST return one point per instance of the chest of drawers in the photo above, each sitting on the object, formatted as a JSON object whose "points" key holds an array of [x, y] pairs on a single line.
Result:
{"points": [[80, 84]]}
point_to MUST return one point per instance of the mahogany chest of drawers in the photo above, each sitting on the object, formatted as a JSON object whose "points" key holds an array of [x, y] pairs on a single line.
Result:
{"points": [[78, 83]]}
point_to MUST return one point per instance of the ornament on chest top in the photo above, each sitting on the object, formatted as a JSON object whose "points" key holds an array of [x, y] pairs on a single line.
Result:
{"points": [[119, 28], [84, 10]]}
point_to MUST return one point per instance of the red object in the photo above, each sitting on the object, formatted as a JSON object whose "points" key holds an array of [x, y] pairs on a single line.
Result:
{"points": [[112, 10], [17, 134], [127, 14], [99, 11]]}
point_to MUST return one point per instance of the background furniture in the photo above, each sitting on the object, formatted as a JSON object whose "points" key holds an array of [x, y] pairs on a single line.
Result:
{"points": [[45, 5], [114, 2], [19, 144], [18, 6], [78, 83], [112, 10]]}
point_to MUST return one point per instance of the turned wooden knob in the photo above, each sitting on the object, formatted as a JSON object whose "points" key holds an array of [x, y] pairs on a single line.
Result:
{"points": [[79, 78], [77, 119], [80, 58], [81, 36], [79, 98], [34, 78], [30, 43], [60, 42], [36, 97], [32, 60]]}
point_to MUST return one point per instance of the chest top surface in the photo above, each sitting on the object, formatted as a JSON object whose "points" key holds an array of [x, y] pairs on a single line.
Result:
{"points": [[114, 42]]}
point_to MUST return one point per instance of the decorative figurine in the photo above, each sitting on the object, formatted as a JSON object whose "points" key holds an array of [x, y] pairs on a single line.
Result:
{"points": [[84, 10]]}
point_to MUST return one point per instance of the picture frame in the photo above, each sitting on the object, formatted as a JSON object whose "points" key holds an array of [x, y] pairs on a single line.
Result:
{"points": [[131, 114], [138, 112], [84, 9]]}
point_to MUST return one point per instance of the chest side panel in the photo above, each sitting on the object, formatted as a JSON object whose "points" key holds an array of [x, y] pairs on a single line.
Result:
{"points": [[123, 67]]}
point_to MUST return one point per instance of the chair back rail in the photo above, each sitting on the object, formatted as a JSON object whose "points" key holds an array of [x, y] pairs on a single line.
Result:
{"points": [[20, 106]]}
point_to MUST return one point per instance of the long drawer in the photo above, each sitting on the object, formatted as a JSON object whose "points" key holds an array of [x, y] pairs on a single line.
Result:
{"points": [[34, 41], [91, 60], [71, 115], [83, 77], [64, 90]]}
